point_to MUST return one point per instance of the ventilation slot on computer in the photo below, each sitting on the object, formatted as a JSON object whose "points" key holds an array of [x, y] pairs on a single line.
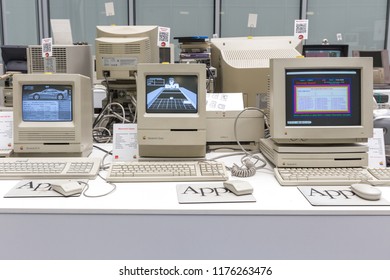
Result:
{"points": [[37, 61], [47, 136], [255, 58]]}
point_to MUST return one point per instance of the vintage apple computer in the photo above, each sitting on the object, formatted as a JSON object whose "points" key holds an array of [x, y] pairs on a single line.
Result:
{"points": [[242, 64], [320, 111], [171, 109], [120, 48], [70, 59], [52, 115]]}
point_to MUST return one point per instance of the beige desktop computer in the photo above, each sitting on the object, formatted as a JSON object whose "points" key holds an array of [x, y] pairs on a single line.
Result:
{"points": [[52, 115]]}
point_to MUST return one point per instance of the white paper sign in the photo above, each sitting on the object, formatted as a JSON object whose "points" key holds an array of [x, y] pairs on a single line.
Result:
{"points": [[125, 145], [6, 125], [47, 50], [109, 9], [209, 193], [252, 20], [301, 29], [376, 149], [224, 102], [164, 34]]}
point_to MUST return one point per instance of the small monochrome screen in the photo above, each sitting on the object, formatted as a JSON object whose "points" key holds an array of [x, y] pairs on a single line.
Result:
{"points": [[171, 94], [47, 103]]}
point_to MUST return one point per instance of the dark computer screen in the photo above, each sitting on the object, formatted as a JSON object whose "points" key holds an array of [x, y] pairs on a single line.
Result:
{"points": [[323, 97], [325, 50], [376, 57], [14, 58], [47, 103], [171, 94]]}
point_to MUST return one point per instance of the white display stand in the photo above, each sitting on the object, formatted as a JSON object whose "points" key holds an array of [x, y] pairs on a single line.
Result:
{"points": [[145, 221]]}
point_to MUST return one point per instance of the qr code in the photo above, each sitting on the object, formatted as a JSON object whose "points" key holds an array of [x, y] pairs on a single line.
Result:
{"points": [[300, 28], [46, 47], [164, 36]]}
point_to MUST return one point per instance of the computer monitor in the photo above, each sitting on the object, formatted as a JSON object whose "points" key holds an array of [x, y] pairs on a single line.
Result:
{"points": [[243, 64], [14, 58], [380, 59], [321, 101], [120, 48], [339, 50], [52, 115], [171, 110]]}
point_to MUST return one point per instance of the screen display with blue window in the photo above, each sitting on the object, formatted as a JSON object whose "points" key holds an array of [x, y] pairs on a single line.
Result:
{"points": [[47, 103], [323, 97]]}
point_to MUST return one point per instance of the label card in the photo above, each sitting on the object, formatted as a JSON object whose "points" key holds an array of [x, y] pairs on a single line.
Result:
{"points": [[252, 20], [164, 35], [125, 145], [110, 11], [47, 50], [301, 29]]}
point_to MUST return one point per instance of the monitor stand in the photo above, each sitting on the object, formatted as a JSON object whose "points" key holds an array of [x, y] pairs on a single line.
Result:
{"points": [[328, 155]]}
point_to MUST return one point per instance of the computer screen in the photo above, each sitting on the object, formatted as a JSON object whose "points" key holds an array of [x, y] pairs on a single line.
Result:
{"points": [[340, 50], [52, 115], [171, 110], [243, 64], [172, 93], [47, 103], [14, 58], [380, 63], [377, 60], [120, 48], [316, 100]]}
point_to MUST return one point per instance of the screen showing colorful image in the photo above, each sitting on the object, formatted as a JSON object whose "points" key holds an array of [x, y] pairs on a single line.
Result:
{"points": [[323, 98], [47, 103]]}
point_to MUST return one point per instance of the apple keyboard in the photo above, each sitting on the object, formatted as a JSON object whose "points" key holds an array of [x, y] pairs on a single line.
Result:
{"points": [[49, 168], [160, 171], [332, 176]]}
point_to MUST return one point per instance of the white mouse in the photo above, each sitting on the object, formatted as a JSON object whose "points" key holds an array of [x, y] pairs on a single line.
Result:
{"points": [[67, 188], [238, 187], [366, 191]]}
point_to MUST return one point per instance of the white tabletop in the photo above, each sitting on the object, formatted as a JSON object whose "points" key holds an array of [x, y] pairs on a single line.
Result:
{"points": [[161, 198]]}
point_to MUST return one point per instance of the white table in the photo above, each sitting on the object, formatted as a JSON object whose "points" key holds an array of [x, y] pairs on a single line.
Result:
{"points": [[145, 221]]}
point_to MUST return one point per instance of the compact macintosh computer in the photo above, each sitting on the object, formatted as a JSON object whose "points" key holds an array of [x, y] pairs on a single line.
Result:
{"points": [[171, 110], [320, 110], [52, 115]]}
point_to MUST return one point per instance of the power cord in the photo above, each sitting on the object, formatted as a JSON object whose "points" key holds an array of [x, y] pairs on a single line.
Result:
{"points": [[249, 160]]}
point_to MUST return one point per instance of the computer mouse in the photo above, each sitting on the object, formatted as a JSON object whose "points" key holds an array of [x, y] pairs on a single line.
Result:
{"points": [[366, 191], [238, 187], [67, 188]]}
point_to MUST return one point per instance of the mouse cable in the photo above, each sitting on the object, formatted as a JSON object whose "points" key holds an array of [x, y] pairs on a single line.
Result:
{"points": [[98, 195]]}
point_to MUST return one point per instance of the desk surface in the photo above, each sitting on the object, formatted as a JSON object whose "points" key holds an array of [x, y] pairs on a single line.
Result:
{"points": [[145, 221], [161, 198]]}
